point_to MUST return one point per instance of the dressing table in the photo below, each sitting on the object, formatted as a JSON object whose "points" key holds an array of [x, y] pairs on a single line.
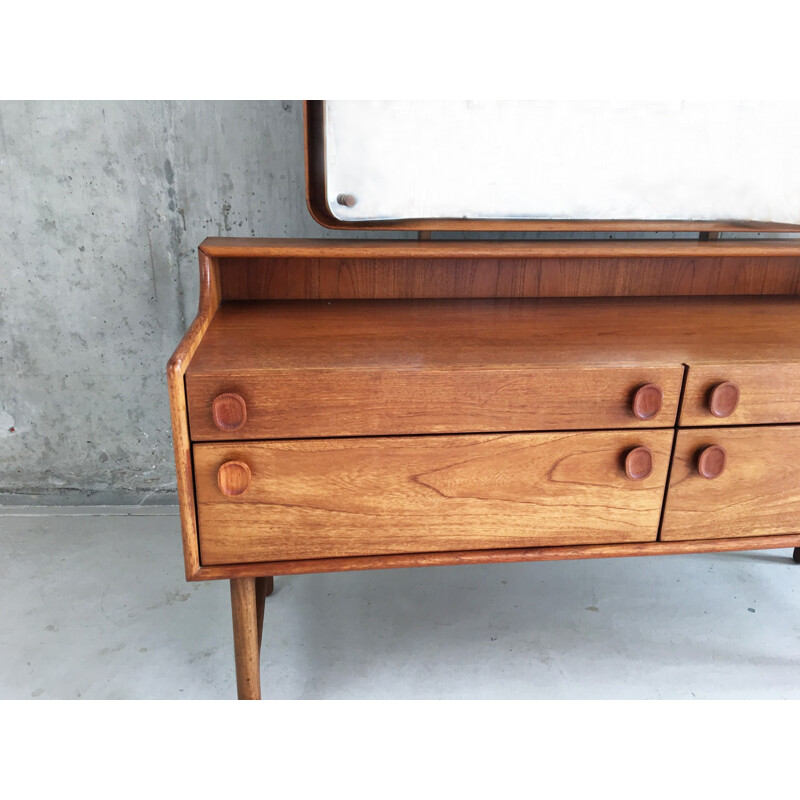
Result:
{"points": [[370, 404]]}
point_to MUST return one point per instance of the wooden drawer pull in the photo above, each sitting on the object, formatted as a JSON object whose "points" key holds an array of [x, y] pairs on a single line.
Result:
{"points": [[639, 463], [233, 478], [229, 411], [647, 401], [723, 399], [711, 461]]}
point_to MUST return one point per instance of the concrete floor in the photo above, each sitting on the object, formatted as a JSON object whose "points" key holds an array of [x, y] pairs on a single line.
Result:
{"points": [[95, 606]]}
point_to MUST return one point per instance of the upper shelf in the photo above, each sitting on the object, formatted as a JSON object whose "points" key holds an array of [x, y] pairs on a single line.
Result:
{"points": [[222, 247], [553, 166], [253, 337]]}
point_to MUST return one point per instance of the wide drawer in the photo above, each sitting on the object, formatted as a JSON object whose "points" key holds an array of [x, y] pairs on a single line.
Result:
{"points": [[742, 394], [319, 402], [345, 497], [729, 482]]}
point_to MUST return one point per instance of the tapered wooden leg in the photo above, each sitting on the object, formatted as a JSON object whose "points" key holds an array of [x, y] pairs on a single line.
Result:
{"points": [[264, 587], [796, 555], [246, 638]]}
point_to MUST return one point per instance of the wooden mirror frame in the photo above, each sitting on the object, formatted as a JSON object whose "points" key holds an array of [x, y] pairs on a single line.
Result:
{"points": [[316, 197]]}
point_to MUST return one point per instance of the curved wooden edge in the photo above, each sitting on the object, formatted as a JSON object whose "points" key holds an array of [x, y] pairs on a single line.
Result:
{"points": [[236, 247], [564, 553], [316, 200], [314, 147], [176, 369]]}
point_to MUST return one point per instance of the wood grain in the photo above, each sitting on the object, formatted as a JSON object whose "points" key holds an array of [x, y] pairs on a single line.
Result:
{"points": [[246, 638], [711, 461], [504, 556], [240, 247], [723, 399], [286, 404], [489, 334], [176, 369], [582, 274], [233, 478], [331, 498], [229, 411], [758, 493], [638, 463], [648, 401], [352, 368], [768, 392]]}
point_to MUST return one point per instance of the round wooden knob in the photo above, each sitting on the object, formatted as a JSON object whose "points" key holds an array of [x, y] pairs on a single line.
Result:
{"points": [[345, 200], [233, 478], [711, 461], [723, 399], [229, 411], [647, 401], [639, 463]]}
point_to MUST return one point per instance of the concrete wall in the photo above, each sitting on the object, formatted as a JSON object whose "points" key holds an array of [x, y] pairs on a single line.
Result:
{"points": [[102, 208]]}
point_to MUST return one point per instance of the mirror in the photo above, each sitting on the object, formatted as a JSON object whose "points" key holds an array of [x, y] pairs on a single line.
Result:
{"points": [[561, 160]]}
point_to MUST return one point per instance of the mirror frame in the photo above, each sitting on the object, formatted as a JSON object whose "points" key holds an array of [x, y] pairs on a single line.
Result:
{"points": [[316, 198]]}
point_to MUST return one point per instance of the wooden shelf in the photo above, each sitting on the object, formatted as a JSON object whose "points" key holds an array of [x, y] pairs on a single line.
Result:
{"points": [[255, 337], [532, 248]]}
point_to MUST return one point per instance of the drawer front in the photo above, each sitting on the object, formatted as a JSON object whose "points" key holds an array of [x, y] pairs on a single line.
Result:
{"points": [[345, 497], [742, 394], [750, 489], [305, 403]]}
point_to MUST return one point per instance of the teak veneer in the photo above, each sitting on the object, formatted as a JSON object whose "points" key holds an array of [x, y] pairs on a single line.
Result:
{"points": [[372, 496], [342, 405]]}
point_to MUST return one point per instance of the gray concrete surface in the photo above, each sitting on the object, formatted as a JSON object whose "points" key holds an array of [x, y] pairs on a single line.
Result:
{"points": [[103, 206], [94, 606]]}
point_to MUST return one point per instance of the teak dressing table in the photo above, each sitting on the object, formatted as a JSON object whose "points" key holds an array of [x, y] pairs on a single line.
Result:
{"points": [[368, 404]]}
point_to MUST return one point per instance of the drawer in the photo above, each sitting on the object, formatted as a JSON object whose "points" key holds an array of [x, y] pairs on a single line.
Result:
{"points": [[264, 501], [318, 402], [742, 394], [747, 484]]}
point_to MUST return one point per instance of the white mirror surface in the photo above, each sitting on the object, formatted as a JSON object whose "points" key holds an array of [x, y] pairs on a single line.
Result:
{"points": [[563, 160]]}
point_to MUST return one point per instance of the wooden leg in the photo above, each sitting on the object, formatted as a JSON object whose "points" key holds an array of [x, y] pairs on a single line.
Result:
{"points": [[264, 587], [246, 638], [796, 555]]}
